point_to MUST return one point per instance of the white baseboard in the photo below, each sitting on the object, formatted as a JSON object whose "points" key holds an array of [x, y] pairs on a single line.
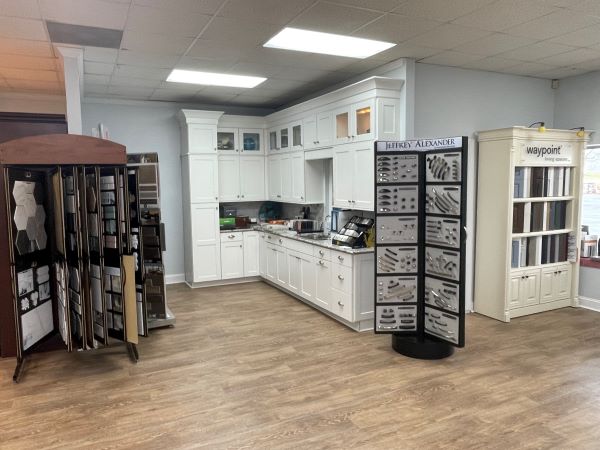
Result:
{"points": [[175, 278], [589, 303]]}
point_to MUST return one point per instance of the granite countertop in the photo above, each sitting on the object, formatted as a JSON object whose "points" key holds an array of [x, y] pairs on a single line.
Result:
{"points": [[321, 243]]}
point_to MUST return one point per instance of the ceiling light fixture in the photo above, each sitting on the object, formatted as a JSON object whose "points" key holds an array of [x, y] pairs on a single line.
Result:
{"points": [[213, 79], [326, 43]]}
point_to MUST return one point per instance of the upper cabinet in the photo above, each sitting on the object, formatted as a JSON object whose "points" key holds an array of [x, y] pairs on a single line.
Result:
{"points": [[324, 129], [240, 140], [199, 131], [284, 138], [227, 140], [355, 122], [297, 141], [273, 141]]}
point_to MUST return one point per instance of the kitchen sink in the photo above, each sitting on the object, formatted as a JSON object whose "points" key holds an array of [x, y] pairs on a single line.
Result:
{"points": [[316, 236]]}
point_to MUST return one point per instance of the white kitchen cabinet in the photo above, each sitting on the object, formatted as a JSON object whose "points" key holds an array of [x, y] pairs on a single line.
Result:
{"points": [[295, 272], [262, 255], [227, 141], [274, 177], [297, 194], [324, 129], [341, 304], [362, 120], [229, 178], [363, 178], [388, 119], [251, 141], [341, 118], [353, 177], [204, 178], [283, 274], [323, 284], [232, 259], [309, 127], [284, 138], [206, 242], [251, 253], [200, 139], [252, 178], [555, 283], [295, 180], [525, 289], [343, 177], [273, 140], [308, 286], [296, 136], [271, 262], [286, 177]]}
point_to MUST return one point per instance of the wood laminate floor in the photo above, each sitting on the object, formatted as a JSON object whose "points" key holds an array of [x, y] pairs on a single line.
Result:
{"points": [[247, 366]]}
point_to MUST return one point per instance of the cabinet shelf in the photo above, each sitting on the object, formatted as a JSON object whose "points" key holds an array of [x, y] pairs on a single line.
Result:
{"points": [[542, 233], [515, 270], [542, 199]]}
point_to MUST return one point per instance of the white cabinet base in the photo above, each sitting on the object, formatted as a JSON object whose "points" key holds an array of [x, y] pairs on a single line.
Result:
{"points": [[534, 309], [223, 282]]}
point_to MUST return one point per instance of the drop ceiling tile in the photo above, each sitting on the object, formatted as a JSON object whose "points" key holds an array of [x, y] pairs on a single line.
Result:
{"points": [[553, 25], [572, 57], [96, 68], [536, 51], [149, 73], [21, 85], [91, 88], [278, 12], [219, 50], [591, 7], [172, 22], [304, 74], [154, 60], [492, 64], [131, 92], [181, 87], [448, 36], [528, 69], [362, 65], [95, 79], [99, 54], [396, 28], [214, 98], [494, 44], [220, 90], [197, 6], [503, 14], [450, 58], [239, 31], [24, 74], [251, 100], [404, 50], [206, 64], [254, 69], [593, 64], [24, 47], [155, 43], [135, 82], [20, 8], [584, 37], [94, 13], [332, 18], [442, 10], [377, 5], [563, 72], [275, 56], [167, 95], [275, 83], [17, 28], [28, 62]]}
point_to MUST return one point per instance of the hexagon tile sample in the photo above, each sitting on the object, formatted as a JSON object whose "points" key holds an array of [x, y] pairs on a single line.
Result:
{"points": [[22, 242], [40, 214], [32, 228], [20, 217], [29, 203]]}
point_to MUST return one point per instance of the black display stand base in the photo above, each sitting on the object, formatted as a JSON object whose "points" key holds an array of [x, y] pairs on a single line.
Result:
{"points": [[412, 347]]}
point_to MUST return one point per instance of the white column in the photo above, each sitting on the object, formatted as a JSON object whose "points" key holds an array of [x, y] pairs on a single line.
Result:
{"points": [[72, 61]]}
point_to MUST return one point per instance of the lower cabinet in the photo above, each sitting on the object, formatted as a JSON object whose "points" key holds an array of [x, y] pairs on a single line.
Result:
{"points": [[539, 286], [525, 289], [239, 255], [206, 251], [251, 254], [232, 260], [555, 284], [323, 283]]}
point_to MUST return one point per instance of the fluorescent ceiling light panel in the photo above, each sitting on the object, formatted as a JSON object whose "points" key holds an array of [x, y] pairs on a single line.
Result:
{"points": [[326, 43], [214, 79]]}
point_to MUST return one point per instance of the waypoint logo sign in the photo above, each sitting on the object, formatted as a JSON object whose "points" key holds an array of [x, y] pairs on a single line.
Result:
{"points": [[536, 152], [540, 152]]}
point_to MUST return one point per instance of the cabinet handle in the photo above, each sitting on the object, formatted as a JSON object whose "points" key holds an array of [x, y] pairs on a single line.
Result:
{"points": [[242, 196], [341, 258], [216, 198], [340, 303], [240, 245], [321, 252], [321, 263], [301, 198], [280, 241], [231, 236], [341, 277], [238, 196]]}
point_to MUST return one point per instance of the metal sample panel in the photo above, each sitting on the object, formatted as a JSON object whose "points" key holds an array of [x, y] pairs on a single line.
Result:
{"points": [[397, 230], [396, 289], [444, 200], [399, 318], [440, 231], [443, 167], [397, 199], [396, 169], [442, 325], [442, 294], [442, 263], [397, 259]]}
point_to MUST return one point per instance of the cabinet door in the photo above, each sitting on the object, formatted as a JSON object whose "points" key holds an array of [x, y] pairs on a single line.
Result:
{"points": [[531, 288], [284, 138], [362, 197], [273, 141], [297, 169], [308, 283], [229, 178], [294, 268], [562, 283], [232, 260], [262, 255], [342, 125], [275, 178], [343, 174], [206, 242], [251, 142], [323, 284], [514, 291], [282, 267], [324, 129], [204, 179], [251, 254], [309, 125], [252, 178], [363, 118], [271, 263], [202, 139], [227, 141], [387, 119], [296, 137], [547, 285], [286, 177]]}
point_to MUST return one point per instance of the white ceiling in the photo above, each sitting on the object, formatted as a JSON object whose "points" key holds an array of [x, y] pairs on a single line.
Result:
{"points": [[541, 38]]}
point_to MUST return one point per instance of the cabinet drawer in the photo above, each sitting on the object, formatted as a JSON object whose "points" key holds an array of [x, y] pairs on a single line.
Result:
{"points": [[321, 252], [341, 304], [298, 246], [341, 258], [273, 239], [341, 277], [232, 237]]}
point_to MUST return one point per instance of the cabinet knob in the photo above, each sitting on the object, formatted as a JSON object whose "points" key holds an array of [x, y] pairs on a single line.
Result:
{"points": [[321, 252], [341, 277], [240, 245], [216, 198], [231, 236], [301, 198], [340, 303], [238, 196], [280, 241], [341, 258], [321, 263], [242, 196]]}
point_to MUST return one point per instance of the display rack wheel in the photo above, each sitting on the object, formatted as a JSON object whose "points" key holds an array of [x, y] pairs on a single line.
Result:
{"points": [[413, 347]]}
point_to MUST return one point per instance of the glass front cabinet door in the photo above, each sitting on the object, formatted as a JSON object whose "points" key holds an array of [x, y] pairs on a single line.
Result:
{"points": [[284, 138], [342, 126], [251, 141], [227, 140], [297, 136], [273, 144], [363, 119]]}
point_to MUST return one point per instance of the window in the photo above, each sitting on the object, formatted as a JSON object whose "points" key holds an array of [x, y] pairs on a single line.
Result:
{"points": [[590, 210]]}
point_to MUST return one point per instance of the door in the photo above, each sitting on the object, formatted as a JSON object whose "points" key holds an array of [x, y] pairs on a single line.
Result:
{"points": [[296, 136], [324, 129], [547, 283], [229, 178], [232, 260], [387, 119], [273, 141], [323, 284], [227, 141], [201, 139], [282, 267], [204, 179], [308, 282], [309, 125], [297, 169], [363, 118], [206, 242], [362, 197], [562, 283], [252, 178], [251, 141], [251, 254], [294, 268], [514, 291], [286, 177], [341, 125], [262, 255], [275, 178], [271, 263], [343, 174], [531, 289]]}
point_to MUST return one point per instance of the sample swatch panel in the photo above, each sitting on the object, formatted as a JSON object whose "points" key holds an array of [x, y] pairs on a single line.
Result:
{"points": [[396, 318], [443, 263], [397, 230], [397, 168], [443, 200], [396, 289], [397, 260], [439, 231], [442, 325], [443, 167], [397, 199], [442, 294]]}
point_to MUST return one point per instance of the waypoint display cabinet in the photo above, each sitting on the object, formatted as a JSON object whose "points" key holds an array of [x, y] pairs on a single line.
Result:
{"points": [[528, 221]]}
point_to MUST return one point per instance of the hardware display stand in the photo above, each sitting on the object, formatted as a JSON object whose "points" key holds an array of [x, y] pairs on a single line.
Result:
{"points": [[66, 247], [420, 192]]}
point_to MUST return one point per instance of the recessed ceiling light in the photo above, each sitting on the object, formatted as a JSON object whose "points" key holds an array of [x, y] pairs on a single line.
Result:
{"points": [[326, 43], [214, 79]]}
